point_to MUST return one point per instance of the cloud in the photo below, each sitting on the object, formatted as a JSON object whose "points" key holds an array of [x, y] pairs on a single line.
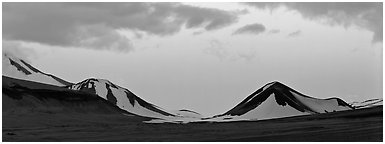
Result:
{"points": [[242, 12], [217, 49], [197, 32], [274, 31], [247, 56], [294, 34], [367, 15], [210, 19], [101, 37], [250, 29], [96, 25], [222, 51]]}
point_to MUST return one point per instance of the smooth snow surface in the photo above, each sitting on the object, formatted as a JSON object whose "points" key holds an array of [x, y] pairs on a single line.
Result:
{"points": [[321, 105], [270, 109]]}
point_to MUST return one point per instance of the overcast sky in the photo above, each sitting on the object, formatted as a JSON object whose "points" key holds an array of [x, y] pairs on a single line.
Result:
{"points": [[205, 57]]}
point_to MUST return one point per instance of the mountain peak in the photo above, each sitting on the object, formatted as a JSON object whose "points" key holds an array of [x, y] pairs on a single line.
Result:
{"points": [[275, 100], [273, 83], [277, 83], [15, 67]]}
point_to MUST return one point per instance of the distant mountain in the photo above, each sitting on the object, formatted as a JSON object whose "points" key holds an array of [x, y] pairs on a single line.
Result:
{"points": [[17, 68], [276, 100], [367, 103], [124, 99], [121, 97], [27, 97]]}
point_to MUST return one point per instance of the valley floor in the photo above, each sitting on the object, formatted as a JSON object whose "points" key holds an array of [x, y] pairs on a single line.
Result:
{"points": [[358, 125]]}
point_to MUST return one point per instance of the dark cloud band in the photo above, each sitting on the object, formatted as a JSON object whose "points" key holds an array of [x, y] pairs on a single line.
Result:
{"points": [[90, 24], [250, 29], [364, 14]]}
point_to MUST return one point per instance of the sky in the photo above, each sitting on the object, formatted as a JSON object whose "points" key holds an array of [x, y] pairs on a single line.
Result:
{"points": [[205, 57]]}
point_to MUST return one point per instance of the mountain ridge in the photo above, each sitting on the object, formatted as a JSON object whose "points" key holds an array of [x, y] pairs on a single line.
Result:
{"points": [[273, 100]]}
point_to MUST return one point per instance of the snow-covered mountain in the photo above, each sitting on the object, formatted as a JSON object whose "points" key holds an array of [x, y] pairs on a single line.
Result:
{"points": [[14, 67], [276, 100], [20, 69], [121, 97], [28, 97], [367, 103]]}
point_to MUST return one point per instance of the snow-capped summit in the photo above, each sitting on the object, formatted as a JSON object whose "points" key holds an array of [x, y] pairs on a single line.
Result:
{"points": [[17, 68], [276, 100], [121, 97]]}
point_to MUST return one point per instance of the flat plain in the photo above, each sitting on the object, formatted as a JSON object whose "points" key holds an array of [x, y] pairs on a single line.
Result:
{"points": [[355, 125]]}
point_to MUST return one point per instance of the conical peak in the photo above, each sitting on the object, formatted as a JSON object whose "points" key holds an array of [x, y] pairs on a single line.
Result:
{"points": [[274, 84], [278, 83]]}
